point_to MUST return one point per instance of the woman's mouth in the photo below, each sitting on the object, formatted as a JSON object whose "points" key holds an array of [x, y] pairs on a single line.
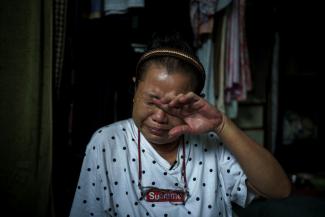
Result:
{"points": [[157, 131]]}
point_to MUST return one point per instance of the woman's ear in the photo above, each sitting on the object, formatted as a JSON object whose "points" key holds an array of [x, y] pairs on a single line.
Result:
{"points": [[134, 84], [134, 87]]}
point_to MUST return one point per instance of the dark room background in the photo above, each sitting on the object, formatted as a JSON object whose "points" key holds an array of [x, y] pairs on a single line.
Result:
{"points": [[64, 75], [96, 87]]}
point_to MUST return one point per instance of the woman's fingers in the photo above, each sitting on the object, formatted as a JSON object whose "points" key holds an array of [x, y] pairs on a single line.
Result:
{"points": [[183, 99], [180, 105], [179, 130]]}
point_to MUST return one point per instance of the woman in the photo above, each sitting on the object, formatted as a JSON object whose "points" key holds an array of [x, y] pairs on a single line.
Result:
{"points": [[178, 155]]}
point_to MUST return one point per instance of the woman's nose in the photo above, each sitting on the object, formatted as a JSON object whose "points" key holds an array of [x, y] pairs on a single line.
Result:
{"points": [[160, 116]]}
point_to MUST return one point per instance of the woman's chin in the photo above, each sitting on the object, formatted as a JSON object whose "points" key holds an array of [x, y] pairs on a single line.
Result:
{"points": [[157, 139]]}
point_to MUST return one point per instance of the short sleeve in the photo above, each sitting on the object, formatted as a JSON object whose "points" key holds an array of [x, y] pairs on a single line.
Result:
{"points": [[233, 179], [92, 194]]}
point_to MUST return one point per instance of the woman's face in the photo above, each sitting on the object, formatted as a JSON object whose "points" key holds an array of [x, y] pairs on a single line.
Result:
{"points": [[153, 122]]}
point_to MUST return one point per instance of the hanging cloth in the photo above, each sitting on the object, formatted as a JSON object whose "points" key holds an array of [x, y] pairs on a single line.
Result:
{"points": [[220, 64], [202, 16], [100, 8], [238, 75], [206, 55], [120, 6]]}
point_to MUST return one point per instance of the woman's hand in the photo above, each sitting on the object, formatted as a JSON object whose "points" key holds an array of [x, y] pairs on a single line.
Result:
{"points": [[197, 114]]}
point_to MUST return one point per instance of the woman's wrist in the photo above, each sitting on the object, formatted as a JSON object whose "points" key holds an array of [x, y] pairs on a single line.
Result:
{"points": [[219, 129]]}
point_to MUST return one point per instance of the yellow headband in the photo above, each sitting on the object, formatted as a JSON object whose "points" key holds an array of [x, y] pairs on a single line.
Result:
{"points": [[174, 53]]}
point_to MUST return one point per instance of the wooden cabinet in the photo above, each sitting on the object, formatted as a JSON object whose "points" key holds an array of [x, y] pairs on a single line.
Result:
{"points": [[251, 119]]}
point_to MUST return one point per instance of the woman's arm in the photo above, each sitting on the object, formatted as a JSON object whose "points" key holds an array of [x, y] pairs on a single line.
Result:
{"points": [[265, 175]]}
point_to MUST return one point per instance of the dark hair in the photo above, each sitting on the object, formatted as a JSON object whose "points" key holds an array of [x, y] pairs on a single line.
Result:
{"points": [[175, 54]]}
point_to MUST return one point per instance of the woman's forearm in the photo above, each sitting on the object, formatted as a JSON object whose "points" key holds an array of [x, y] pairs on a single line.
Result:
{"points": [[264, 173]]}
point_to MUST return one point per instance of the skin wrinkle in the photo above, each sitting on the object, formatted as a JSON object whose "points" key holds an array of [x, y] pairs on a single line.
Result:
{"points": [[155, 123], [166, 108]]}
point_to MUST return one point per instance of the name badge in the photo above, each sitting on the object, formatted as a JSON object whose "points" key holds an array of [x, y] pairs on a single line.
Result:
{"points": [[165, 195]]}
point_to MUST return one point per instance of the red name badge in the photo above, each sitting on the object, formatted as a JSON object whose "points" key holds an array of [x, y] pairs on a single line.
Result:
{"points": [[165, 195]]}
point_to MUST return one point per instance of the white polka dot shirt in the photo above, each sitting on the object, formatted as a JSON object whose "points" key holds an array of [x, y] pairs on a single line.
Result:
{"points": [[108, 182]]}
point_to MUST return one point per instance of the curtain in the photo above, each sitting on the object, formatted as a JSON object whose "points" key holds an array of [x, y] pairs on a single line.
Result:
{"points": [[26, 107], [59, 28]]}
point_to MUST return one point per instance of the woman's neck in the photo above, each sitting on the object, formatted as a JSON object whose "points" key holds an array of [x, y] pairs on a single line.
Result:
{"points": [[167, 151]]}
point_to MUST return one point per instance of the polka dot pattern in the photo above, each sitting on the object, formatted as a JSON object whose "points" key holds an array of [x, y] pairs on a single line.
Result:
{"points": [[110, 172]]}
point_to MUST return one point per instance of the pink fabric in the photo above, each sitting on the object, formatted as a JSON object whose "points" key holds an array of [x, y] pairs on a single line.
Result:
{"points": [[246, 79], [237, 75], [202, 17]]}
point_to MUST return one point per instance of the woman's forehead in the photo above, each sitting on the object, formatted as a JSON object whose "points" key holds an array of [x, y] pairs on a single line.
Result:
{"points": [[158, 82]]}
